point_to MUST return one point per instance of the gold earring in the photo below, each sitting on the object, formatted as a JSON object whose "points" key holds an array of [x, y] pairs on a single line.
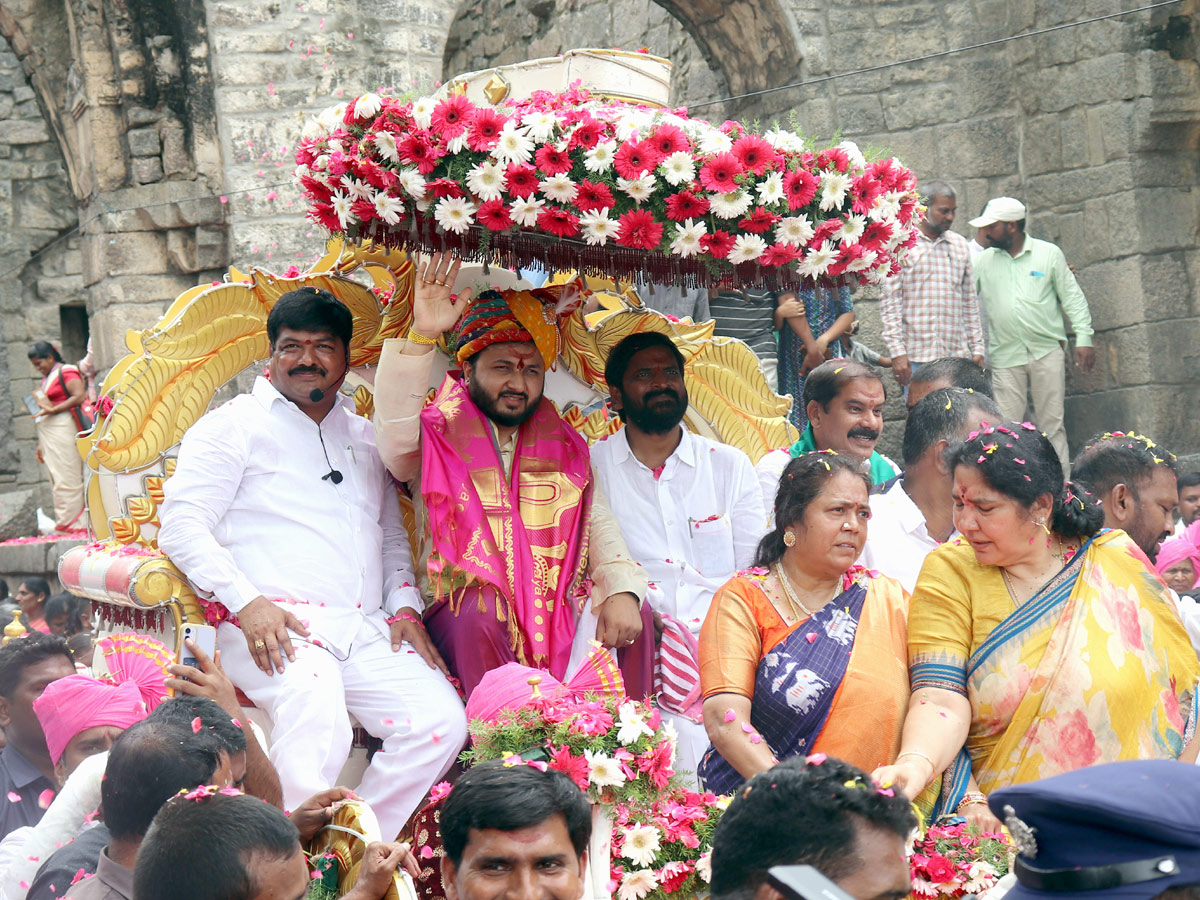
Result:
{"points": [[1044, 528], [789, 539]]}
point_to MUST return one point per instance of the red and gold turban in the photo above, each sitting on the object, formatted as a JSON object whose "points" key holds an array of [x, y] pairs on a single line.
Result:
{"points": [[535, 316]]}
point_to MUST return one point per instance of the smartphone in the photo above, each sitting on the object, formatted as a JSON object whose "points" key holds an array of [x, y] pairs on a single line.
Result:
{"points": [[31, 404], [204, 637], [804, 883]]}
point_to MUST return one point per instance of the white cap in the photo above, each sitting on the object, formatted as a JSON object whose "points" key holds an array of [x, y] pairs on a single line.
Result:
{"points": [[1000, 209]]}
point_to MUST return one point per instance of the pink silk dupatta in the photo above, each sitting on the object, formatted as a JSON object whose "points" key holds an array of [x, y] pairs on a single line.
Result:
{"points": [[524, 537]]}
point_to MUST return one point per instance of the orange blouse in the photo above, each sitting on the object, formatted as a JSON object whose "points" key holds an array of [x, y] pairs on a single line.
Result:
{"points": [[746, 621]]}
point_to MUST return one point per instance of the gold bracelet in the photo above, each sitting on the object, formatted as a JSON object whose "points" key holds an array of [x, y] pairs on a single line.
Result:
{"points": [[917, 753], [971, 798], [415, 337]]}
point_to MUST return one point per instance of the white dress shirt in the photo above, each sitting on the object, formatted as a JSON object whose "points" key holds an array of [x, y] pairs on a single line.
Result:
{"points": [[897, 540], [247, 513], [693, 527]]}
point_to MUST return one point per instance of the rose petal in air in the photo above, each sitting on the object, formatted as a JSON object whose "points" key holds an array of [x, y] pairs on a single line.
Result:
{"points": [[14, 797], [811, 636], [748, 728], [45, 798], [730, 715], [426, 853], [196, 725]]}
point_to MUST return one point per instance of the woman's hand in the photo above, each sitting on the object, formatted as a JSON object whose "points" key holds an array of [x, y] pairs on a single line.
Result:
{"points": [[43, 403], [38, 454], [814, 355], [435, 308], [909, 775], [981, 817]]}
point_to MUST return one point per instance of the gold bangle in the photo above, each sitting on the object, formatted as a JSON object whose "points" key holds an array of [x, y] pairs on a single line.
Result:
{"points": [[415, 337], [971, 798], [917, 753]]}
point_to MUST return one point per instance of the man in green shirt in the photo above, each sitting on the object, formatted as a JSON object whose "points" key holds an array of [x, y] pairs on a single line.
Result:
{"points": [[1025, 286]]}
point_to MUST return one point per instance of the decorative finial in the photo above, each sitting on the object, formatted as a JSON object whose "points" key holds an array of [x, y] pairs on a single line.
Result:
{"points": [[13, 629], [533, 682]]}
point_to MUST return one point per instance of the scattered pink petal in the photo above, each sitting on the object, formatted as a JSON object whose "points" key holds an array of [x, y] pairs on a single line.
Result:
{"points": [[236, 723], [196, 725], [437, 738], [816, 759], [79, 876], [426, 853], [314, 875], [45, 798], [1019, 462], [389, 721], [756, 738], [14, 797], [887, 792], [223, 199], [811, 636], [730, 715], [748, 728]]}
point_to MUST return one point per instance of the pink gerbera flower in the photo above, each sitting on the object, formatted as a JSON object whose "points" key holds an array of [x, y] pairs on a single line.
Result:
{"points": [[551, 160], [668, 139], [799, 188], [593, 196], [418, 150], [587, 135], [639, 230], [635, 158], [779, 255], [443, 187], [719, 172], [522, 179], [686, 205], [754, 153], [758, 221], [485, 129], [450, 117], [494, 215]]}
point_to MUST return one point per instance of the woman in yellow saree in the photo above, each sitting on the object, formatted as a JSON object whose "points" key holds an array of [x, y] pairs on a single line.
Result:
{"points": [[1038, 643]]}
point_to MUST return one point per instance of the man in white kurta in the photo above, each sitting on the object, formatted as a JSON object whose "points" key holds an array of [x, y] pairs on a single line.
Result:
{"points": [[690, 508], [281, 511]]}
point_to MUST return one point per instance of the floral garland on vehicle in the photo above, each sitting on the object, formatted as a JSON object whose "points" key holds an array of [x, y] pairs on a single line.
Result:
{"points": [[577, 182], [958, 860], [621, 754]]}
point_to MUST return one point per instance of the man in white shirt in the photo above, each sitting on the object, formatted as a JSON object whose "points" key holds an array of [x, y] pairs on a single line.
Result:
{"points": [[281, 510], [915, 515], [689, 508]]}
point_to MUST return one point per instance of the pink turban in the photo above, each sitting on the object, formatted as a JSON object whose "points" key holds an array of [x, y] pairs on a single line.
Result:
{"points": [[1175, 550], [78, 702]]}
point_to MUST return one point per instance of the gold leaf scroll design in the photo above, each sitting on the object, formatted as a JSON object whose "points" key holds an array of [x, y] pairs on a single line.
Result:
{"points": [[724, 382], [389, 270]]}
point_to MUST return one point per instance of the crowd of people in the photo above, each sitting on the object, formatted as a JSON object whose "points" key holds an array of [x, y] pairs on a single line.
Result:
{"points": [[963, 632]]}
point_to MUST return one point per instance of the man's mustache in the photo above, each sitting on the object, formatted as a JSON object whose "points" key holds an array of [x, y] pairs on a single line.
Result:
{"points": [[665, 392], [869, 434], [307, 370]]}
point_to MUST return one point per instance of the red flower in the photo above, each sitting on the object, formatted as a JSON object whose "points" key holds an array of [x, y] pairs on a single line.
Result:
{"points": [[593, 196], [443, 187], [717, 244], [758, 221], [633, 159], [719, 172], [574, 767], [940, 870], [672, 876], [835, 157], [339, 164], [451, 115], [824, 231], [865, 191], [778, 255], [557, 220], [587, 134], [372, 173], [323, 215], [551, 160], [315, 189], [686, 205], [755, 153], [364, 209], [638, 229], [418, 150], [522, 179], [656, 763], [800, 188], [875, 235], [493, 215], [485, 129], [668, 139]]}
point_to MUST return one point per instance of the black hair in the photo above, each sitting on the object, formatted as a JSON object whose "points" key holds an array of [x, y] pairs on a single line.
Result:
{"points": [[507, 798], [37, 585], [800, 814], [1120, 458], [942, 416], [64, 605], [182, 711], [311, 309], [44, 349], [80, 643], [201, 849], [960, 372], [799, 485], [826, 381], [630, 346], [28, 650], [1188, 479], [150, 763], [1022, 465], [3, 589]]}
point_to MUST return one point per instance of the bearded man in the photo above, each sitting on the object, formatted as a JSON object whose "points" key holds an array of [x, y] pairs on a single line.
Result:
{"points": [[515, 533]]}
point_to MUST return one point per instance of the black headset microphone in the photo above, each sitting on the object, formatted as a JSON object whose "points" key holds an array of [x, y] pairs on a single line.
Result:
{"points": [[316, 395]]}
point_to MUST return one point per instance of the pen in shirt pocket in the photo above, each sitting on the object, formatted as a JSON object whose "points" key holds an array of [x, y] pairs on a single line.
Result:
{"points": [[1036, 274]]}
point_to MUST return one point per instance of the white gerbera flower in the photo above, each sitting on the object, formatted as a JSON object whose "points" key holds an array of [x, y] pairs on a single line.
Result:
{"points": [[302, 170], [597, 227], [863, 262], [730, 206], [385, 143], [770, 189], [314, 129], [638, 188], [678, 168], [886, 207], [367, 106], [413, 183], [600, 158], [540, 125], [525, 211], [857, 160], [851, 229], [704, 867], [357, 189], [631, 725], [331, 117], [514, 144], [818, 260], [457, 144], [559, 188], [603, 770], [486, 180], [714, 141], [747, 247], [341, 208], [422, 111], [794, 231], [388, 208], [455, 214], [636, 885], [787, 141], [687, 239], [640, 844], [833, 189]]}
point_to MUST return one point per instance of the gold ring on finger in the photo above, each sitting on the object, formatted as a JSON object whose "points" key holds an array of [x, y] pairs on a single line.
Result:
{"points": [[259, 644]]}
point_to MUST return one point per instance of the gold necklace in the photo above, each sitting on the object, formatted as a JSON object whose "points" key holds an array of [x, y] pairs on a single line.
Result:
{"points": [[1058, 557], [793, 599]]}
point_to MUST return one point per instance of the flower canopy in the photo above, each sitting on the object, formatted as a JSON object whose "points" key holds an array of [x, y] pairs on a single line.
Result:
{"points": [[573, 181]]}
